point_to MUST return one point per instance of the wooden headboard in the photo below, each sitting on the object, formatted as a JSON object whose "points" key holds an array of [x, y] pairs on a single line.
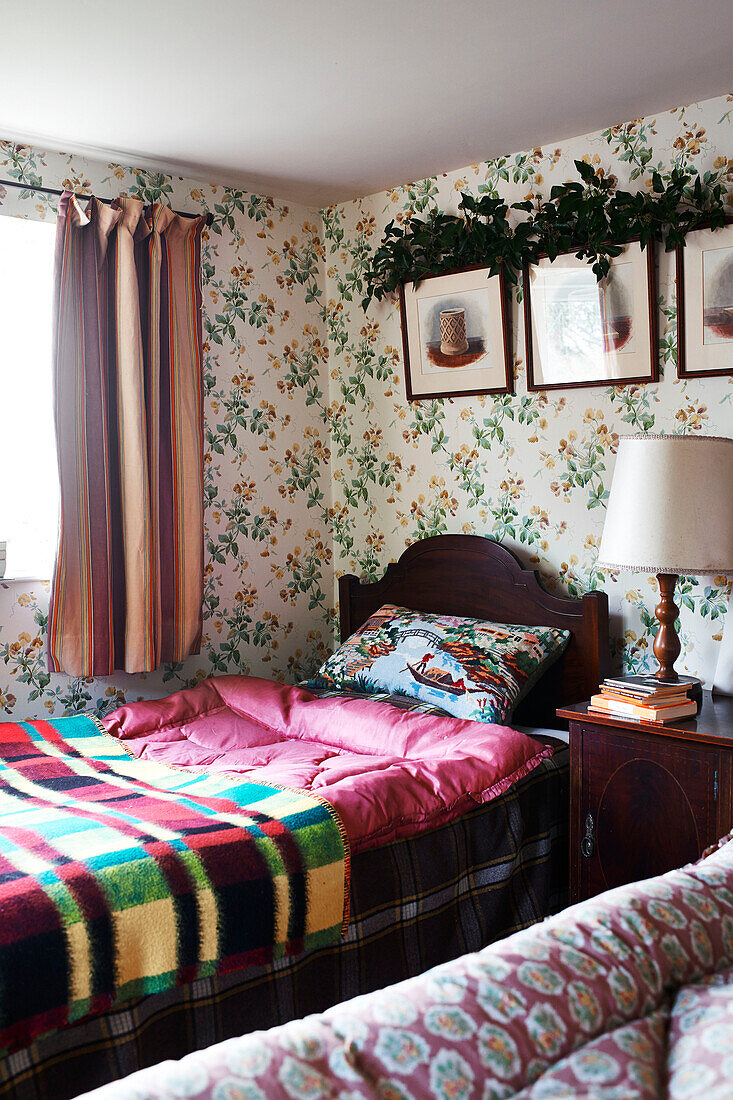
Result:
{"points": [[474, 576]]}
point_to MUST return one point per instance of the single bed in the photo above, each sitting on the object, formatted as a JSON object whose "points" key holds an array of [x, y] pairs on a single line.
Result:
{"points": [[415, 901]]}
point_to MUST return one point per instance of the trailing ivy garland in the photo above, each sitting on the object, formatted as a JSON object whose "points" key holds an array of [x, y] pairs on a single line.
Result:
{"points": [[590, 218]]}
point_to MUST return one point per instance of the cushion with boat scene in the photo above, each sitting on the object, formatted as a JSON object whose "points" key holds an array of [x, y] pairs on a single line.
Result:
{"points": [[471, 668]]}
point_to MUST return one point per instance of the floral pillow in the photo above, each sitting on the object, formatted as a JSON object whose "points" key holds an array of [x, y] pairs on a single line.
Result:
{"points": [[470, 668]]}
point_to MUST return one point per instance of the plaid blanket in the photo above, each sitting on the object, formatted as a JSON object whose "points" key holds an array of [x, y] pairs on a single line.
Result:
{"points": [[414, 903], [120, 877]]}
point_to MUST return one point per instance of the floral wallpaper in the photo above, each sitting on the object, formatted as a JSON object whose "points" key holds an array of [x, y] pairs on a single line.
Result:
{"points": [[532, 469], [315, 462], [269, 571]]}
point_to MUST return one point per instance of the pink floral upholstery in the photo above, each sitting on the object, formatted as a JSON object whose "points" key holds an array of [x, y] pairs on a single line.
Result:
{"points": [[625, 996], [701, 1040]]}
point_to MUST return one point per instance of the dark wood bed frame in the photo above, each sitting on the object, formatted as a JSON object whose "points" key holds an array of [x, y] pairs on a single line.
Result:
{"points": [[475, 576]]}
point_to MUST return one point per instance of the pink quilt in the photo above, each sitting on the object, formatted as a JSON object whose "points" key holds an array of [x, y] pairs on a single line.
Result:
{"points": [[388, 773]]}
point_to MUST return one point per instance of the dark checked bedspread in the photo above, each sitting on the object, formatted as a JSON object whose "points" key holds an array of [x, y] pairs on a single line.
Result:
{"points": [[121, 877]]}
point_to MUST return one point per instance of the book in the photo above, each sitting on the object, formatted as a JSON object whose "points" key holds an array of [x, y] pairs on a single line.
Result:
{"points": [[626, 717], [653, 714], [643, 700], [637, 718], [648, 685], [632, 693]]}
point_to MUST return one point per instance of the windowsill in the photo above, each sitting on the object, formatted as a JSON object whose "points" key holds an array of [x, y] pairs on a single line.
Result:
{"points": [[25, 580]]}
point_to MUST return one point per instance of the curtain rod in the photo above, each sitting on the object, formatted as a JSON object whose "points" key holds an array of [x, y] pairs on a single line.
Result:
{"points": [[55, 191]]}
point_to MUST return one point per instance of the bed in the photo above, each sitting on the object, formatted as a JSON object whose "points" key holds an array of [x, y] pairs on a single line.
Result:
{"points": [[415, 901]]}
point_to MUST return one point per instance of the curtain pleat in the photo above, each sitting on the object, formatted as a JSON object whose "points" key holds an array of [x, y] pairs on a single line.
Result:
{"points": [[128, 584]]}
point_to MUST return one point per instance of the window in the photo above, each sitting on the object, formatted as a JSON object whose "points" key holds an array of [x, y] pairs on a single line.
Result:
{"points": [[29, 496]]}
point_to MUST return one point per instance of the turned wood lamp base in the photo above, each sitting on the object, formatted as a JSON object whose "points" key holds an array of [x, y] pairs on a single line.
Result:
{"points": [[667, 647]]}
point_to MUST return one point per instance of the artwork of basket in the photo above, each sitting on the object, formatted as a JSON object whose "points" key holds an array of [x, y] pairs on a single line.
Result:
{"points": [[453, 331]]}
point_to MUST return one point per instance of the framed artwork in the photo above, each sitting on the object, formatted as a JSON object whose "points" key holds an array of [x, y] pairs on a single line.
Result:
{"points": [[705, 303], [455, 335], [579, 332]]}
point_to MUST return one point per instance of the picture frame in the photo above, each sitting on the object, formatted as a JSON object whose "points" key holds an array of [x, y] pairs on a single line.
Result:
{"points": [[579, 332], [456, 335], [705, 303]]}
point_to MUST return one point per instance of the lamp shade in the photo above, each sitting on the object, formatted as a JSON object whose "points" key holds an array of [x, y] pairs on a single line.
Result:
{"points": [[670, 509]]}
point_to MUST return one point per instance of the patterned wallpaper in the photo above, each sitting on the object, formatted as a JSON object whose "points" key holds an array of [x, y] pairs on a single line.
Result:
{"points": [[269, 573], [532, 470], [315, 462]]}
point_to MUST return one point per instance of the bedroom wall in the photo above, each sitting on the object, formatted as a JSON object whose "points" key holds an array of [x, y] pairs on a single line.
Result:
{"points": [[530, 469], [297, 377], [269, 572]]}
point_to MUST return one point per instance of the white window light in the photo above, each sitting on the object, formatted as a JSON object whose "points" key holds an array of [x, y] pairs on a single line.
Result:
{"points": [[29, 495]]}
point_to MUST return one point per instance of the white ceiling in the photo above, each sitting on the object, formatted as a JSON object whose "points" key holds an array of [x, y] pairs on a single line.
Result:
{"points": [[324, 100]]}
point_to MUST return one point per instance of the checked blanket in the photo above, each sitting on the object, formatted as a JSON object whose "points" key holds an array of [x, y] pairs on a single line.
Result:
{"points": [[122, 877]]}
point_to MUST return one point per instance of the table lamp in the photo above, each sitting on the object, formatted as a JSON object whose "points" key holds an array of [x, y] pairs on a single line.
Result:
{"points": [[670, 512]]}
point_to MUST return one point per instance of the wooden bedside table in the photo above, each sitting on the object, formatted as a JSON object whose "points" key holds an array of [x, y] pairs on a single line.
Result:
{"points": [[645, 799]]}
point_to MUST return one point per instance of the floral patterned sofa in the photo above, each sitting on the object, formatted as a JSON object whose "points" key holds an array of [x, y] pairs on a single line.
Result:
{"points": [[629, 995]]}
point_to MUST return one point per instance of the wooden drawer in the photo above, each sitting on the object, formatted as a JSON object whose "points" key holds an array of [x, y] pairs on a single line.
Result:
{"points": [[642, 804]]}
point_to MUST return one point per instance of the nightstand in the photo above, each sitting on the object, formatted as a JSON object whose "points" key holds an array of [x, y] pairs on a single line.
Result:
{"points": [[643, 798]]}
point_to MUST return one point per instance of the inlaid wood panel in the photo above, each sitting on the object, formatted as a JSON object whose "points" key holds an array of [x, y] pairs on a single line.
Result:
{"points": [[653, 803]]}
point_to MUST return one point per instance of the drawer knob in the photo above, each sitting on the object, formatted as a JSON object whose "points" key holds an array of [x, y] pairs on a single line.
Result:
{"points": [[588, 843]]}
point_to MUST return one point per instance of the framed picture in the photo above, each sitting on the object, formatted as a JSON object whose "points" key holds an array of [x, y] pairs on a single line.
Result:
{"points": [[579, 332], [705, 303], [455, 335]]}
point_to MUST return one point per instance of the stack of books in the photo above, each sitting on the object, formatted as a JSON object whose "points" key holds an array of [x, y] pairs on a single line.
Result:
{"points": [[644, 699]]}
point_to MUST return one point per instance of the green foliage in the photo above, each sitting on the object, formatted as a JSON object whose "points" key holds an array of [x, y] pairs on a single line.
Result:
{"points": [[634, 405], [225, 212], [151, 186], [589, 217], [631, 144]]}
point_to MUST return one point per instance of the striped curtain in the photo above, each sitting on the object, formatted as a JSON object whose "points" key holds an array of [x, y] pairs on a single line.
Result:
{"points": [[128, 584]]}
